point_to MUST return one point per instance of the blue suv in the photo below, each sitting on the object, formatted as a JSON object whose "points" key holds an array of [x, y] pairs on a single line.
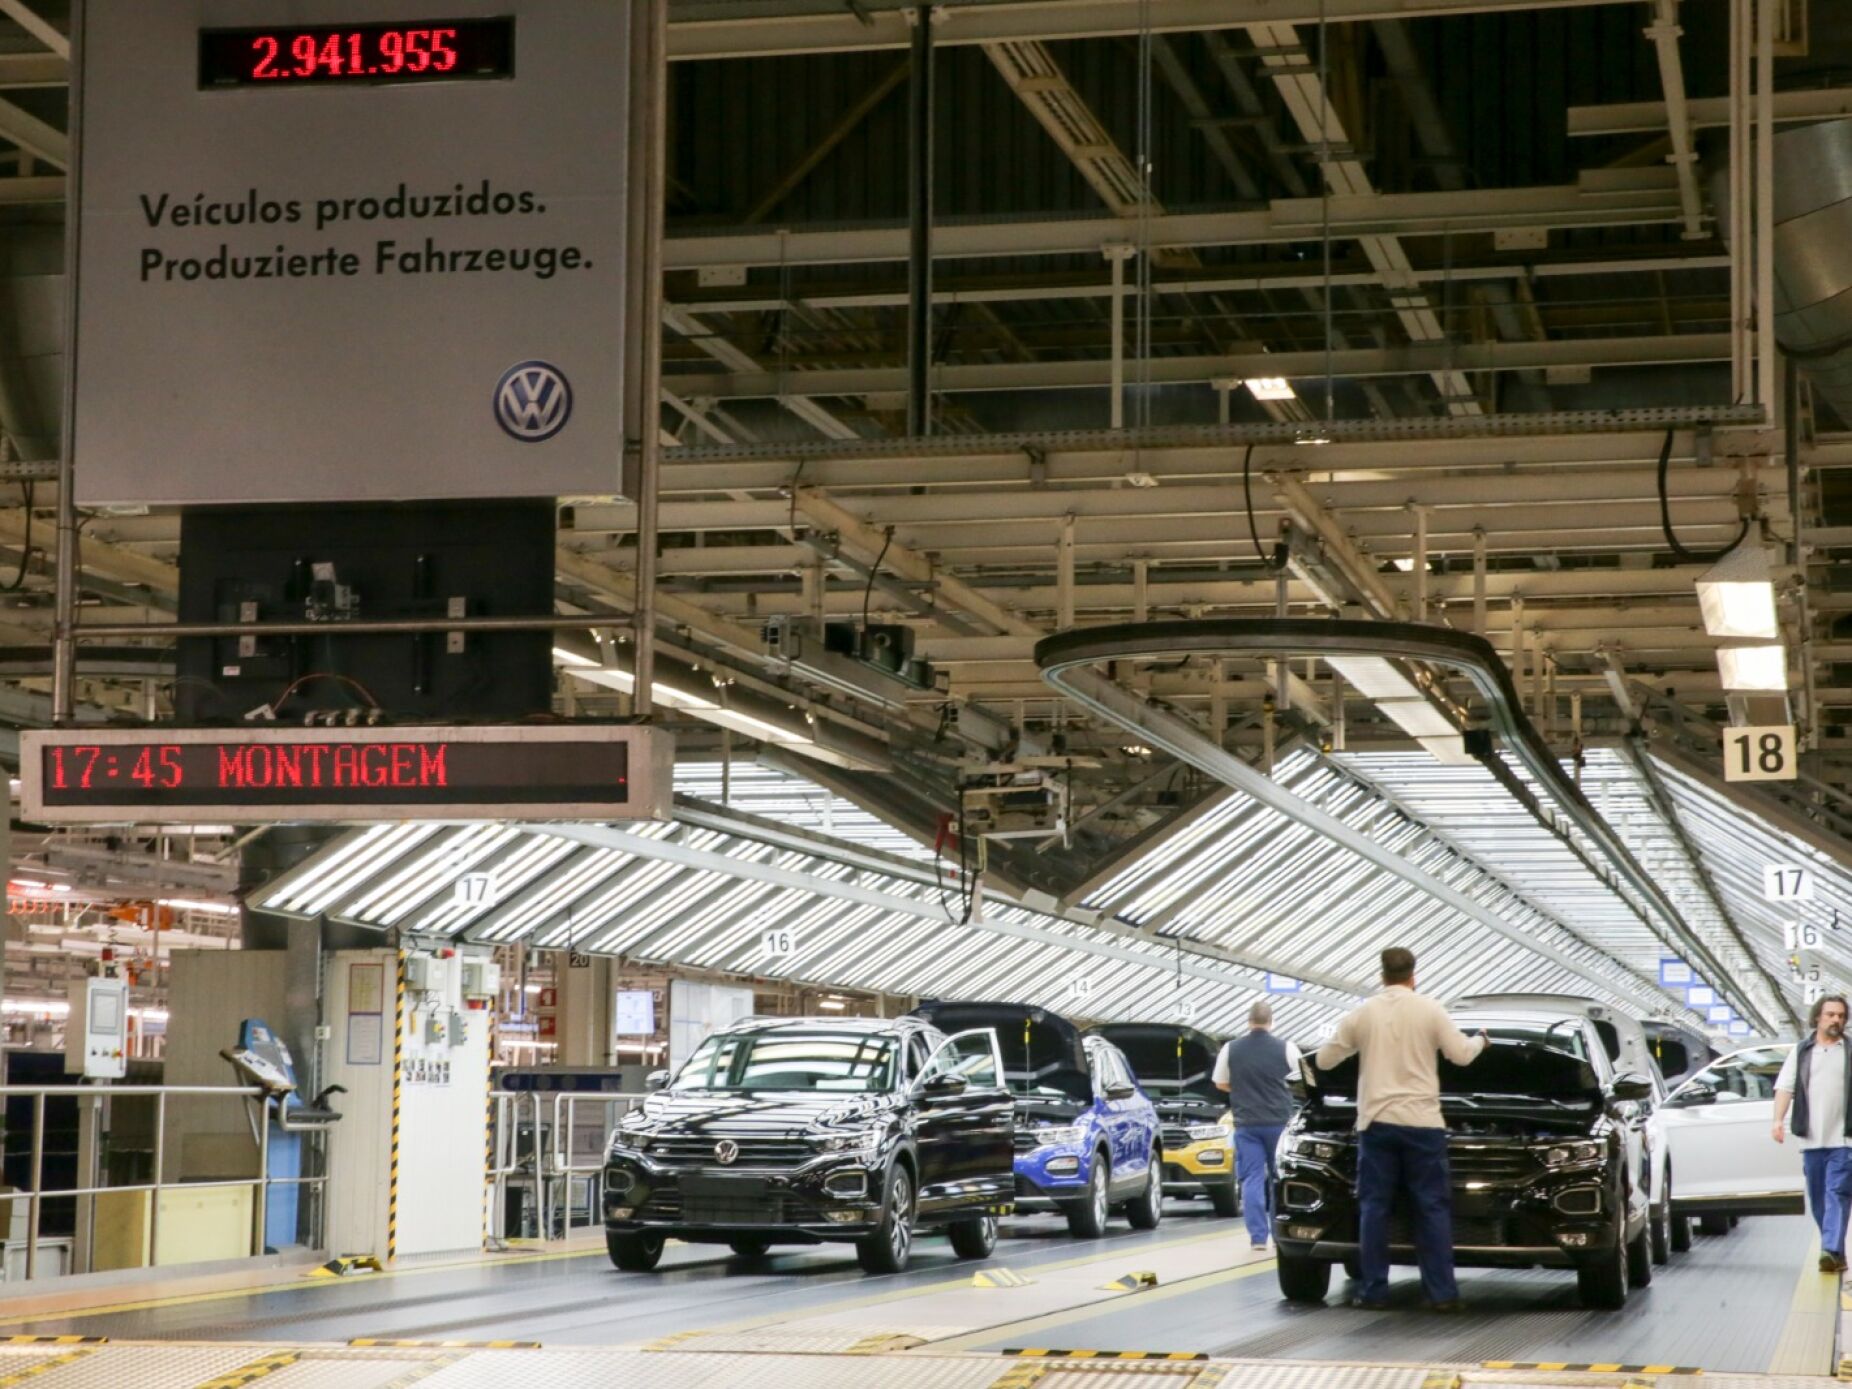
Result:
{"points": [[1087, 1137]]}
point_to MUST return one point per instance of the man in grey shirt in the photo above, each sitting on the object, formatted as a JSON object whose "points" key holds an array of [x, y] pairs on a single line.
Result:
{"points": [[1253, 1071]]}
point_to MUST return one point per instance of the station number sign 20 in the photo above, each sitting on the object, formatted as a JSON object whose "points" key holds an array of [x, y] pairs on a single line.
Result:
{"points": [[1764, 753]]}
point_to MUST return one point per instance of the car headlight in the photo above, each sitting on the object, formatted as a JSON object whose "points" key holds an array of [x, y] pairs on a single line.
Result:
{"points": [[862, 1141], [1200, 1132], [622, 1142], [1318, 1149], [1577, 1154], [1051, 1136]]}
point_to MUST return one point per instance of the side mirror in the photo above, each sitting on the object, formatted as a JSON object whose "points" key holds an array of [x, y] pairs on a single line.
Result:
{"points": [[1696, 1093], [944, 1085], [656, 1080], [1121, 1092], [1631, 1085]]}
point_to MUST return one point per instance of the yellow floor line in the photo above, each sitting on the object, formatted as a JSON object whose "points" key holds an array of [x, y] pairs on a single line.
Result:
{"points": [[297, 1283], [1050, 1321], [1806, 1344]]}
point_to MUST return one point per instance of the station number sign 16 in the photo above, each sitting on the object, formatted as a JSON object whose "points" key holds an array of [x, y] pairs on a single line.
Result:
{"points": [[1764, 753], [778, 943], [1800, 935]]}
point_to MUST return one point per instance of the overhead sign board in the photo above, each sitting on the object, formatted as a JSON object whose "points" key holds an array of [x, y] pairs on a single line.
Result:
{"points": [[1760, 753], [345, 255], [1674, 972], [1786, 882], [261, 775]]}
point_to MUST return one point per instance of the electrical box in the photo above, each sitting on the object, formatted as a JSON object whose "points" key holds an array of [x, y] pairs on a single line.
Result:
{"points": [[96, 1037], [481, 978], [424, 973]]}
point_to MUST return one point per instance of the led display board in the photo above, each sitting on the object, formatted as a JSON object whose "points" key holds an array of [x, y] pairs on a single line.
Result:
{"points": [[266, 774]]}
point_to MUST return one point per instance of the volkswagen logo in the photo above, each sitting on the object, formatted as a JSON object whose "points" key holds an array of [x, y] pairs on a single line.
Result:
{"points": [[726, 1152], [533, 402]]}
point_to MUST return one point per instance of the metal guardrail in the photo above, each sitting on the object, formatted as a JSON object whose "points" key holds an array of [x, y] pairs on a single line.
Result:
{"points": [[548, 1163], [95, 1095]]}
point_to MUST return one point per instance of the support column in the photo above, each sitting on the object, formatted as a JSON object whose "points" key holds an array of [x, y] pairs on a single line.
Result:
{"points": [[1117, 254], [919, 254], [1479, 567], [585, 997], [1064, 574]]}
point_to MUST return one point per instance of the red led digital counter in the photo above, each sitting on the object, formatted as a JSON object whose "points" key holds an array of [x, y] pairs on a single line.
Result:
{"points": [[324, 54], [346, 774]]}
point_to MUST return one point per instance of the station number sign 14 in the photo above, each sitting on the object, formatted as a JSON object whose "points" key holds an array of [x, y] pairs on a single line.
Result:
{"points": [[1762, 753]]}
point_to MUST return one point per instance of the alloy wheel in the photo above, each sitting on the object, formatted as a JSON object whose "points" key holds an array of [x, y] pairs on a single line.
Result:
{"points": [[1096, 1192], [900, 1226]]}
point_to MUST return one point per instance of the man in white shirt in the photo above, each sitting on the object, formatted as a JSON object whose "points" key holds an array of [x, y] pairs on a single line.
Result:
{"points": [[1810, 1103], [1401, 1134], [1252, 1071]]}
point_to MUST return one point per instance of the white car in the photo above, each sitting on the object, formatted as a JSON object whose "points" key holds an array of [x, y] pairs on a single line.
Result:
{"points": [[1717, 1134], [1631, 1050]]}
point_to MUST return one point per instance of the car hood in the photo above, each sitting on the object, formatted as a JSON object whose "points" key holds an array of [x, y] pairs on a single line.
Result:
{"points": [[1172, 1062], [770, 1115], [1515, 1078], [1189, 1109]]}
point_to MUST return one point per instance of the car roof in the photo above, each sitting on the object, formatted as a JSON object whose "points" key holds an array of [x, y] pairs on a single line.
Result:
{"points": [[852, 1025]]}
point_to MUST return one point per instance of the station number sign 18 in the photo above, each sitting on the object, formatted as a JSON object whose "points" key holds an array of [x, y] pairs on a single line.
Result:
{"points": [[1764, 753]]}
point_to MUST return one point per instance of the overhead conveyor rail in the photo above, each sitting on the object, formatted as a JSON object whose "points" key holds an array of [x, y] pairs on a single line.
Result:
{"points": [[1066, 660]]}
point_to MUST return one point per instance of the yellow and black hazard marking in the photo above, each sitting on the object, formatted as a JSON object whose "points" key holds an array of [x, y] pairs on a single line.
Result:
{"points": [[1021, 1376], [1442, 1379], [999, 1278], [674, 1339], [54, 1340], [347, 1266], [254, 1371], [1596, 1368], [424, 1370], [1041, 1353], [39, 1367], [398, 1099], [1131, 1282], [489, 1233], [380, 1343]]}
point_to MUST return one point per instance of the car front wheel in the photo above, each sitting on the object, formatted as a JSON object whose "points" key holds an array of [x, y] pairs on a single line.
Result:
{"points": [[1681, 1233], [1659, 1227], [1304, 1280], [634, 1253], [1225, 1197], [974, 1238], [1147, 1208], [1714, 1223], [1603, 1283], [887, 1247], [1087, 1216]]}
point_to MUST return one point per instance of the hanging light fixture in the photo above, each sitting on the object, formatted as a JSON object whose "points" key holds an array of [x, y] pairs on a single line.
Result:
{"points": [[1753, 669], [1737, 596]]}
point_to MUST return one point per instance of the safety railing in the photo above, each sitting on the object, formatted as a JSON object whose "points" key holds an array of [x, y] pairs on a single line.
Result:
{"points": [[93, 1098], [566, 1135]]}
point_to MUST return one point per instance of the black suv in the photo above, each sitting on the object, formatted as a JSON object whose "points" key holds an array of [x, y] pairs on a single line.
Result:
{"points": [[801, 1130], [1547, 1171]]}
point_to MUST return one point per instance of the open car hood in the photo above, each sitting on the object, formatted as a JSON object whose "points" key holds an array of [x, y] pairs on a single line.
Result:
{"points": [[1173, 1063], [1504, 1074]]}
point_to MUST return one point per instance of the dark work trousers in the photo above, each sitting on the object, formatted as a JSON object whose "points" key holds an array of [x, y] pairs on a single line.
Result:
{"points": [[1392, 1158]]}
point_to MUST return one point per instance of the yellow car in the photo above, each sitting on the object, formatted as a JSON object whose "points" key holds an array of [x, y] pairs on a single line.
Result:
{"points": [[1173, 1063]]}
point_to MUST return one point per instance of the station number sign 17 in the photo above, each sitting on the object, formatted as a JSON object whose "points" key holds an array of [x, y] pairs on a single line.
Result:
{"points": [[1764, 753]]}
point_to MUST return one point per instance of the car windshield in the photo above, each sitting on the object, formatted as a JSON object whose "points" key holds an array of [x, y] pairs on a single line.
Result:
{"points": [[750, 1062], [1747, 1075]]}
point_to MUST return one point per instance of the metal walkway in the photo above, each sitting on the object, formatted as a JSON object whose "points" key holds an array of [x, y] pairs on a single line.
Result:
{"points": [[1743, 1303]]}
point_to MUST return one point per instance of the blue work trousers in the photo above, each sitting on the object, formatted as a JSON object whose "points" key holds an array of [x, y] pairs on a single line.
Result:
{"points": [[1396, 1158], [1255, 1146], [1829, 1193]]}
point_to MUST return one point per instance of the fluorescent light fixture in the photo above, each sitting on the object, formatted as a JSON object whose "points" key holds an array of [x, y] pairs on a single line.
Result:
{"points": [[1418, 718], [830, 1005], [1374, 678], [1270, 388], [1753, 668], [572, 659], [1738, 596]]}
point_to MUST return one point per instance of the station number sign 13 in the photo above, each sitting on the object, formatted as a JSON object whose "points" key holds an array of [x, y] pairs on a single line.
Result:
{"points": [[1764, 753]]}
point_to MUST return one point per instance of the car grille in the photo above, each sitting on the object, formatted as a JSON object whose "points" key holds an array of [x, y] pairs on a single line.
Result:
{"points": [[1486, 1162], [678, 1150], [1026, 1141], [673, 1207], [1480, 1232], [1175, 1137]]}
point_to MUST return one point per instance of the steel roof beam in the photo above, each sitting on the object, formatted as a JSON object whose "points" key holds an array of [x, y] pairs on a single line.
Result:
{"points": [[1414, 359], [1605, 198], [719, 29]]}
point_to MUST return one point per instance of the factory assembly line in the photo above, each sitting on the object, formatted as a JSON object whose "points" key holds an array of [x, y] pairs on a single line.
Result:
{"points": [[992, 694]]}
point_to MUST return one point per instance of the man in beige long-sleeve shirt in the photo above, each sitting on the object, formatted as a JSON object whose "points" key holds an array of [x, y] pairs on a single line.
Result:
{"points": [[1401, 1135]]}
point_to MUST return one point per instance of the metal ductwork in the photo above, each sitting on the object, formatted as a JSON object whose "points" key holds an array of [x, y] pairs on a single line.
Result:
{"points": [[1813, 254], [32, 339]]}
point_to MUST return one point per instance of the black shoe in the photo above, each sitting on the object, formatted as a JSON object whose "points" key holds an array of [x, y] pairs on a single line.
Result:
{"points": [[1451, 1304], [1370, 1304], [1832, 1263]]}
